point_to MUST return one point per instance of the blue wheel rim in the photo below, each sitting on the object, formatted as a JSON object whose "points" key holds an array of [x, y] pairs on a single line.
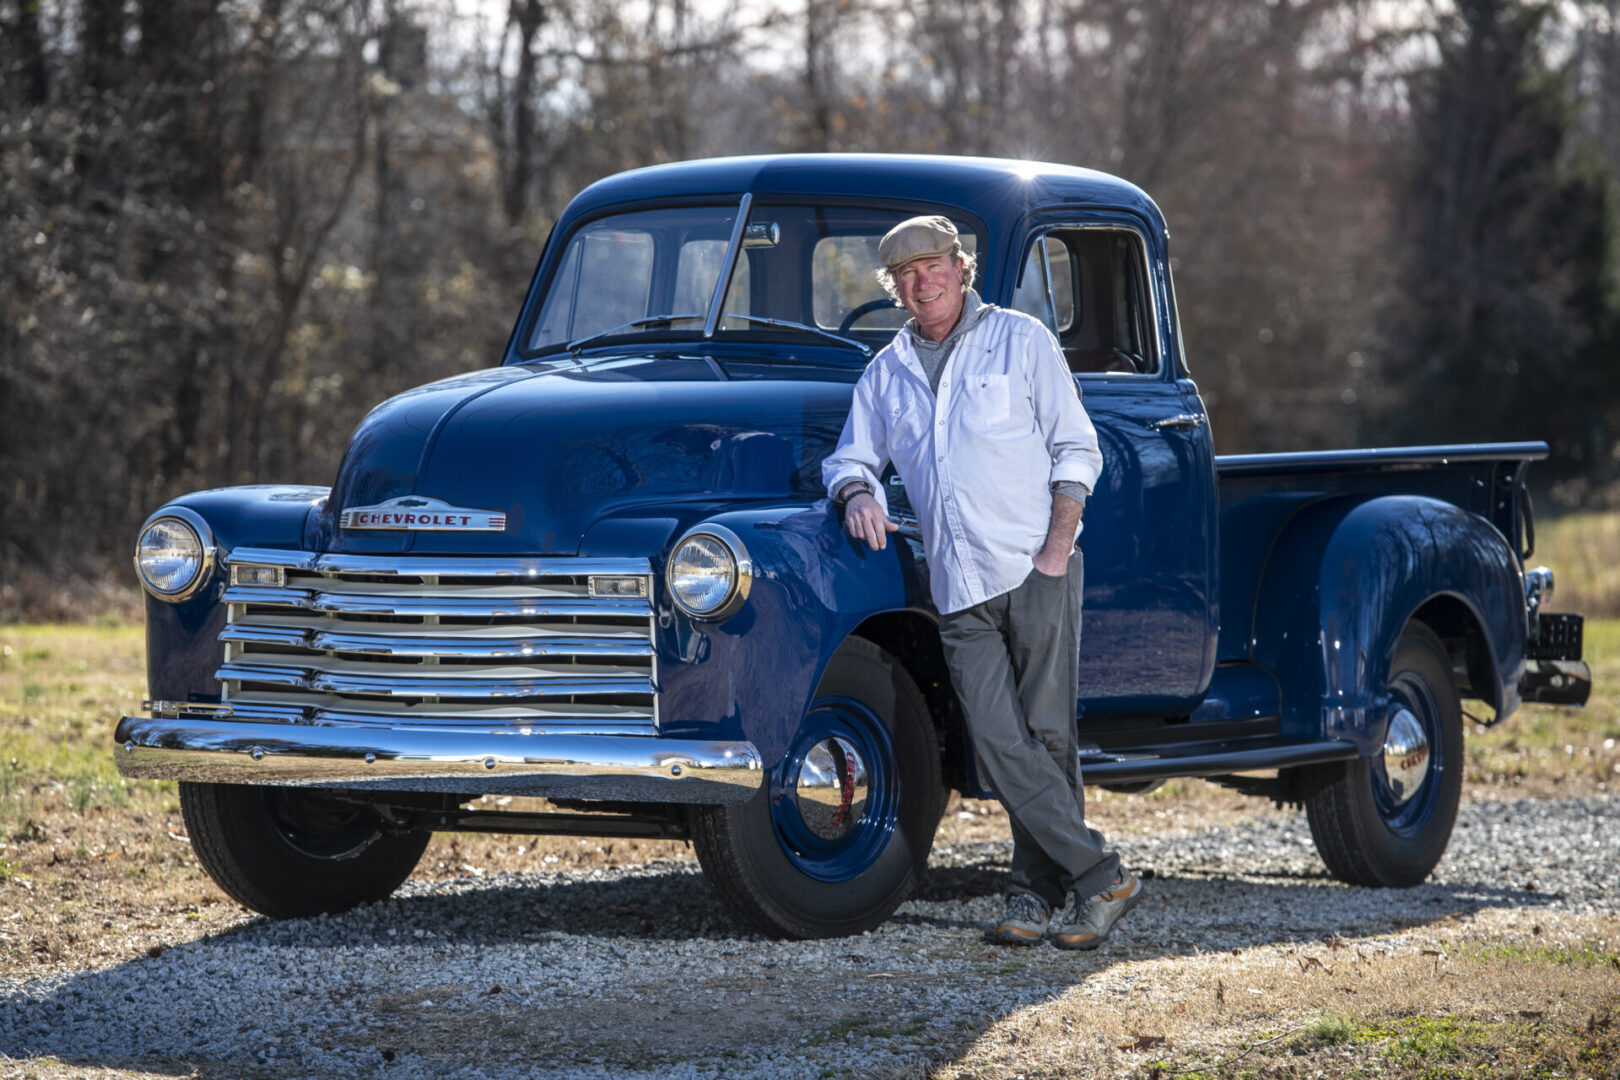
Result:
{"points": [[1410, 817], [853, 853]]}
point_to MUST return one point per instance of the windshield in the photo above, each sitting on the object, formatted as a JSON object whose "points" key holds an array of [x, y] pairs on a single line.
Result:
{"points": [[800, 271]]}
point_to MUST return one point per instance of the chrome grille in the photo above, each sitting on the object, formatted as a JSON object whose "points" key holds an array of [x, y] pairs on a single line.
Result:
{"points": [[501, 644]]}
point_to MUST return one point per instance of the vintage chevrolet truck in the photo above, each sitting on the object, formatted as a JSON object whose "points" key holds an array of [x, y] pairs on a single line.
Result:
{"points": [[604, 573]]}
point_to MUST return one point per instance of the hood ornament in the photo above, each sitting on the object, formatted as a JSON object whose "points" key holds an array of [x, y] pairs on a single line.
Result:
{"points": [[419, 514]]}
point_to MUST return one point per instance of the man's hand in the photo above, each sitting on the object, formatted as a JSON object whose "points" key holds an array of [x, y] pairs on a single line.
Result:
{"points": [[864, 520], [1052, 565], [1053, 558]]}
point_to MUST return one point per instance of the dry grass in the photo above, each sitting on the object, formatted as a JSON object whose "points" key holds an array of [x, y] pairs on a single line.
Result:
{"points": [[1545, 752], [1485, 997], [1584, 553]]}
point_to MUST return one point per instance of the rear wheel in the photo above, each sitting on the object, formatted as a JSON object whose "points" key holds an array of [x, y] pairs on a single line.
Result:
{"points": [[1386, 820], [839, 834], [288, 852]]}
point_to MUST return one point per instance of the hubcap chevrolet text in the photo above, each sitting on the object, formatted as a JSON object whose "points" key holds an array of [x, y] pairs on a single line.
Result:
{"points": [[832, 788], [1406, 755]]}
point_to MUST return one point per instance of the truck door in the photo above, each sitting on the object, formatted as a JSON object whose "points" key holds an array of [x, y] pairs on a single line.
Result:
{"points": [[1150, 618]]}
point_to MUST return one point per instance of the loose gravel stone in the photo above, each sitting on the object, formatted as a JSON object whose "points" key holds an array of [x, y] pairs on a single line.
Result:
{"points": [[638, 972]]}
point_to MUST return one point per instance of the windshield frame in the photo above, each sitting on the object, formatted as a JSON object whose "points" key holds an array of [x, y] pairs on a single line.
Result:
{"points": [[713, 331]]}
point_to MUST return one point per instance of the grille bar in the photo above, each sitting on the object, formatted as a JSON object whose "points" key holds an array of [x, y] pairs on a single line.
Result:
{"points": [[494, 568], [471, 607], [405, 641]]}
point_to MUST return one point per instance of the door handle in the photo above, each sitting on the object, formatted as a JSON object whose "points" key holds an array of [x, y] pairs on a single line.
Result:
{"points": [[1179, 422]]}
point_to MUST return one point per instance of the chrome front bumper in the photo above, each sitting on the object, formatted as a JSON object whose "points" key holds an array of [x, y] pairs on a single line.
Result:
{"points": [[620, 768]]}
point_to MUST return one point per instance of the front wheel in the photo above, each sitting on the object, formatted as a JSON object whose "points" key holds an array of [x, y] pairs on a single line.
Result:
{"points": [[839, 834], [288, 853], [1386, 820]]}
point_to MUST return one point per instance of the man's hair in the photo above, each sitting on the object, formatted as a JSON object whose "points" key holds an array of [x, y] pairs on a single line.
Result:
{"points": [[964, 259]]}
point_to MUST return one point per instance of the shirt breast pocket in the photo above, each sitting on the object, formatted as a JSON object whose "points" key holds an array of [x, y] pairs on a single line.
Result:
{"points": [[985, 400]]}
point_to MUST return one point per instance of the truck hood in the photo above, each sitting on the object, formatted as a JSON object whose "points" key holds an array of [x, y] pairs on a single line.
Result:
{"points": [[557, 451]]}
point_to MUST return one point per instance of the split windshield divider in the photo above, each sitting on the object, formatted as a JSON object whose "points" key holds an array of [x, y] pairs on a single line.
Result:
{"points": [[733, 249]]}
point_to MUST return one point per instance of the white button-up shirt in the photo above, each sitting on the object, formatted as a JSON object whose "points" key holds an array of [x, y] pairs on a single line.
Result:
{"points": [[978, 460]]}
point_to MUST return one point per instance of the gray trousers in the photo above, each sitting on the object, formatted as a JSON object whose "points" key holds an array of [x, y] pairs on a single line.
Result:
{"points": [[1014, 661]]}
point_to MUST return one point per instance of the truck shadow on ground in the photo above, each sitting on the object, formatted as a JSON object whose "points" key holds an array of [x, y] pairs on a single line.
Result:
{"points": [[640, 972]]}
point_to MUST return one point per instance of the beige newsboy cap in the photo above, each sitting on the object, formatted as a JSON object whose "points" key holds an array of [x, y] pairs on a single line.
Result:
{"points": [[916, 238]]}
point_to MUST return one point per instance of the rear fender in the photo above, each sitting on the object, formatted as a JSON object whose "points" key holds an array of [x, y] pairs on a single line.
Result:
{"points": [[1341, 583]]}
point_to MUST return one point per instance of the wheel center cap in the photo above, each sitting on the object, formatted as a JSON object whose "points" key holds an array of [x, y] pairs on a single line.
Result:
{"points": [[832, 788], [1406, 755]]}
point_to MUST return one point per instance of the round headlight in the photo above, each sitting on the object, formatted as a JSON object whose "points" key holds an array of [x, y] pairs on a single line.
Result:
{"points": [[709, 572], [172, 556]]}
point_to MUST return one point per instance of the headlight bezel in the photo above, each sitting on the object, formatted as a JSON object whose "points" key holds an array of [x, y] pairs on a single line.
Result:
{"points": [[742, 572], [208, 554]]}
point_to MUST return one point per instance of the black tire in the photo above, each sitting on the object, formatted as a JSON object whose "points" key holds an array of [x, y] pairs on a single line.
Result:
{"points": [[290, 853], [1362, 836], [754, 868]]}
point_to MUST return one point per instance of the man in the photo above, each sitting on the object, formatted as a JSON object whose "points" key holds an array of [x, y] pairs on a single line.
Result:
{"points": [[975, 406]]}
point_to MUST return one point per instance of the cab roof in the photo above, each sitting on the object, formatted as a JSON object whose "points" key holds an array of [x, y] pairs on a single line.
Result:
{"points": [[994, 189]]}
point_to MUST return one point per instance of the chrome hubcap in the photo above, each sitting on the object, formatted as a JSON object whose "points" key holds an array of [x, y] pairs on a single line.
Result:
{"points": [[832, 788], [1406, 755]]}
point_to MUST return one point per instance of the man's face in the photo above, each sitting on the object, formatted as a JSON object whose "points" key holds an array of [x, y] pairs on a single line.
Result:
{"points": [[930, 289]]}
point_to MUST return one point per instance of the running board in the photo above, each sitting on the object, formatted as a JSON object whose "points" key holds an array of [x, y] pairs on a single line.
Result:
{"points": [[1113, 767]]}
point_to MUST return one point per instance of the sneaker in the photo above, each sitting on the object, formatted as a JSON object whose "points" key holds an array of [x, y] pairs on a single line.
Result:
{"points": [[1024, 922], [1086, 921]]}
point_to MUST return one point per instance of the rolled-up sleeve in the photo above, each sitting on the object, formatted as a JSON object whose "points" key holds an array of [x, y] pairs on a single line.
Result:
{"points": [[1070, 437], [863, 448]]}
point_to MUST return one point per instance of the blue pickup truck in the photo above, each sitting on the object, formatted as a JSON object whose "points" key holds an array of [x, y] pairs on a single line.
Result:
{"points": [[604, 574]]}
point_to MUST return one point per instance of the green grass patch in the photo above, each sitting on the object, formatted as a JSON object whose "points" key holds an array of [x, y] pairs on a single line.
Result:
{"points": [[1444, 1047], [1330, 1029], [62, 690], [1524, 952]]}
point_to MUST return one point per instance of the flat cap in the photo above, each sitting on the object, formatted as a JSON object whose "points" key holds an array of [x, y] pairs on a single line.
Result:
{"points": [[917, 238]]}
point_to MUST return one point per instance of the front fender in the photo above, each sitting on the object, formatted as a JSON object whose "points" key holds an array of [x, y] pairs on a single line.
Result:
{"points": [[751, 675], [1342, 581], [182, 640]]}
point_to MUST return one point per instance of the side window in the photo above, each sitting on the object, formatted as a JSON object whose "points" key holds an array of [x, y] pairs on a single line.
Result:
{"points": [[1090, 287], [1048, 264], [604, 281]]}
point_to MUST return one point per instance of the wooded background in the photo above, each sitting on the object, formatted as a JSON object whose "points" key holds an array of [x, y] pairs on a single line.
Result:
{"points": [[228, 228]]}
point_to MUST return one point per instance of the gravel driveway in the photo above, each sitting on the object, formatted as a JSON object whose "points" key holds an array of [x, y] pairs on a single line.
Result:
{"points": [[637, 972]]}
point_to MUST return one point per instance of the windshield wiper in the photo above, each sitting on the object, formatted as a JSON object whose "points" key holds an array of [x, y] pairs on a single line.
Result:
{"points": [[634, 324], [790, 325]]}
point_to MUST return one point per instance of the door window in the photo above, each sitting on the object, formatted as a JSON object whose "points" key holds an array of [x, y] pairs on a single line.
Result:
{"points": [[1089, 286]]}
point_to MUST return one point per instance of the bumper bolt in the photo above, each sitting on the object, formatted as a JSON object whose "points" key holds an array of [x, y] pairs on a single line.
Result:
{"points": [[489, 763], [371, 759], [257, 753], [675, 770]]}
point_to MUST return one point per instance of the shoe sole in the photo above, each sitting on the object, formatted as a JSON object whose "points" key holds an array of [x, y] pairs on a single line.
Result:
{"points": [[1130, 906], [1006, 935]]}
